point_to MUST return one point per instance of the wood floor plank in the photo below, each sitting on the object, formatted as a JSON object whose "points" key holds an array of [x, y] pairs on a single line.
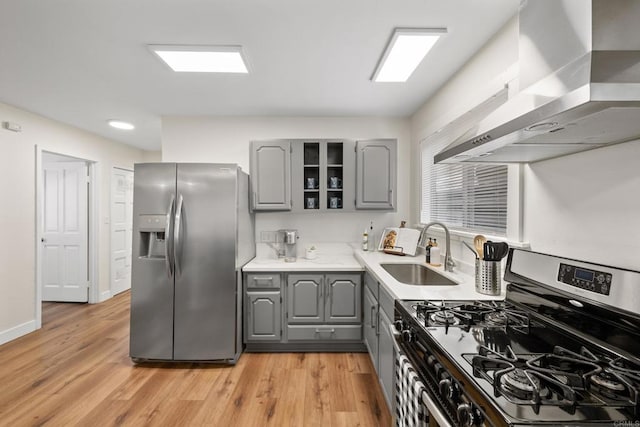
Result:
{"points": [[76, 371]]}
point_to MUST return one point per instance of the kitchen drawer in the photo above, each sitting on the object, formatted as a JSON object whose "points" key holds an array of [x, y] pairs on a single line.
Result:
{"points": [[324, 332], [263, 280]]}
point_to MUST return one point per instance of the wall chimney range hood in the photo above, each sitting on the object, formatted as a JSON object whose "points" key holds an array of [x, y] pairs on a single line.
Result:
{"points": [[579, 83]]}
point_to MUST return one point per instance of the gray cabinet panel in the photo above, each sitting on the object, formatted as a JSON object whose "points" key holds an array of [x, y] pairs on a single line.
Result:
{"points": [[271, 175], [342, 298], [263, 316], [324, 332], [386, 359], [370, 325], [305, 301], [376, 174], [263, 280]]}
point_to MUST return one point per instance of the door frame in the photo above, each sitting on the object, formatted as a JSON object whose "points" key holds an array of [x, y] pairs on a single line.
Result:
{"points": [[92, 225], [113, 167]]}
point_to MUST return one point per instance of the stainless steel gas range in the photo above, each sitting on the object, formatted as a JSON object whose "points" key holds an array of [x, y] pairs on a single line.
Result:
{"points": [[563, 349]]}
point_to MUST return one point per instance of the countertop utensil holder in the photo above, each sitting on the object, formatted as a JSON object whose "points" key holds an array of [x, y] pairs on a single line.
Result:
{"points": [[488, 277]]}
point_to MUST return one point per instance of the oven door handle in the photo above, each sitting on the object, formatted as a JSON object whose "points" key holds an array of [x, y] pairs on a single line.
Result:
{"points": [[434, 411], [396, 338]]}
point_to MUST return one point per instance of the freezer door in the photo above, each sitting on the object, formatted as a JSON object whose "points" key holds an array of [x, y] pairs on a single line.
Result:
{"points": [[205, 285], [151, 335]]}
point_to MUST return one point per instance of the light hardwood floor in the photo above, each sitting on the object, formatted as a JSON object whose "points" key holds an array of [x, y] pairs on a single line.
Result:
{"points": [[76, 371]]}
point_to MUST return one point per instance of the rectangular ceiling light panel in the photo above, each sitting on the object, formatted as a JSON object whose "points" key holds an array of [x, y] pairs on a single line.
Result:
{"points": [[405, 51], [202, 59]]}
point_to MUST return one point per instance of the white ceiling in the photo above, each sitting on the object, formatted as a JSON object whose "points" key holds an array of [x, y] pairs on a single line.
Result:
{"points": [[83, 62]]}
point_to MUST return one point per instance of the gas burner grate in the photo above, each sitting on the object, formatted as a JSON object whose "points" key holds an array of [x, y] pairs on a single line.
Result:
{"points": [[562, 378], [477, 313], [516, 378]]}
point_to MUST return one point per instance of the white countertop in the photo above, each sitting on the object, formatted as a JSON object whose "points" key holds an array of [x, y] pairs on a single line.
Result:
{"points": [[464, 290], [342, 257], [328, 258]]}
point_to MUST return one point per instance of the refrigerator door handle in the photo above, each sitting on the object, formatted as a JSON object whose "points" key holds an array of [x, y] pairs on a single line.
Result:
{"points": [[168, 239], [177, 244]]}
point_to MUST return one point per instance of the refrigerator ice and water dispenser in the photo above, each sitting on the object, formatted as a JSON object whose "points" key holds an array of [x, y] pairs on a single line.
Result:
{"points": [[152, 236]]}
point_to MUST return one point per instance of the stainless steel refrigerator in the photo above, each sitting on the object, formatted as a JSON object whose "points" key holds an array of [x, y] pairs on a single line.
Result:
{"points": [[192, 233]]}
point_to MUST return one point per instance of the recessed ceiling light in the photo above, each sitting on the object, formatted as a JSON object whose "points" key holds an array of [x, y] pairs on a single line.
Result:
{"points": [[404, 52], [119, 124], [202, 59]]}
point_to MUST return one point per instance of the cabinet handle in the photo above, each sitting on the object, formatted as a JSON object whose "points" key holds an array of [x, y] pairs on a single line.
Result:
{"points": [[373, 307], [330, 331], [258, 279], [378, 322]]}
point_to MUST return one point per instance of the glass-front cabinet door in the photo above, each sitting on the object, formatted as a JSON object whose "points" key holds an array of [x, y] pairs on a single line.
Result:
{"points": [[335, 175], [311, 178], [323, 173]]}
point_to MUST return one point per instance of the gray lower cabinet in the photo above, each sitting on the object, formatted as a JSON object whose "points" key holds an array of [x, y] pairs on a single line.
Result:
{"points": [[370, 325], [378, 314], [263, 316], [324, 307], [262, 307], [376, 174], [386, 361]]}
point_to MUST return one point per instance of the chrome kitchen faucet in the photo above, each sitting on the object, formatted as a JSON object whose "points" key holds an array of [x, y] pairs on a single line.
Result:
{"points": [[448, 261]]}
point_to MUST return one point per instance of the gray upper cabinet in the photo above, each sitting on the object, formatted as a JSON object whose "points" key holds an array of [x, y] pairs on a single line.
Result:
{"points": [[376, 163], [271, 175], [323, 175]]}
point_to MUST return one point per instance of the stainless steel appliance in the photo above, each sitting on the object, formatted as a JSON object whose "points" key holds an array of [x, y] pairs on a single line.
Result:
{"points": [[562, 349], [192, 233], [578, 88], [290, 239]]}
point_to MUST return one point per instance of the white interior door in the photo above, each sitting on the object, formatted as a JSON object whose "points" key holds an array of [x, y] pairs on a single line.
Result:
{"points": [[65, 232], [121, 229]]}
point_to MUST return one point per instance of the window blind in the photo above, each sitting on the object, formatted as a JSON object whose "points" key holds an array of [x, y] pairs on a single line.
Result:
{"points": [[465, 196]]}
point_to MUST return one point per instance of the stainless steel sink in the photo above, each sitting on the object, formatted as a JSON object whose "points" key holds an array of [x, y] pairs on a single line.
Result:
{"points": [[416, 274]]}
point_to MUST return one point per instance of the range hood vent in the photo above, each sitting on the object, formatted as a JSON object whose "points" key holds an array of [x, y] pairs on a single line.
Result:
{"points": [[579, 82]]}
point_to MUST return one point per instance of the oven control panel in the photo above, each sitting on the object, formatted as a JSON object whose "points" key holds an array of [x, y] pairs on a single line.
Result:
{"points": [[585, 278]]}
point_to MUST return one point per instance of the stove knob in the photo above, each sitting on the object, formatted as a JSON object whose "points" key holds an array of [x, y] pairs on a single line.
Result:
{"points": [[468, 416], [399, 325], [439, 371], [454, 393], [431, 360], [408, 336], [445, 387]]}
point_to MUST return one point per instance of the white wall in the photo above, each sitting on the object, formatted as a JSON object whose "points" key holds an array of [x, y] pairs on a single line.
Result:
{"points": [[584, 206], [482, 76], [18, 211], [226, 139]]}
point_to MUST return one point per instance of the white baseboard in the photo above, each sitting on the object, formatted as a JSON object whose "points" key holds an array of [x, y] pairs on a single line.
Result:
{"points": [[17, 331], [105, 295]]}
